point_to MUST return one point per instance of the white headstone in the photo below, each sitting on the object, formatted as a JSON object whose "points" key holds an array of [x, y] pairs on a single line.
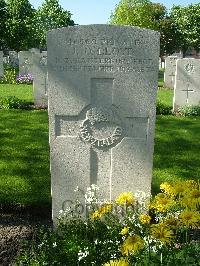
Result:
{"points": [[40, 79], [102, 95], [187, 83], [25, 62], [170, 69], [34, 50], [1, 64], [160, 63], [13, 59]]}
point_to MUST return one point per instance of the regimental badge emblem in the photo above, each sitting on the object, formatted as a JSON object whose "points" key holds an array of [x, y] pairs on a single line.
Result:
{"points": [[43, 60], [189, 67], [101, 127]]}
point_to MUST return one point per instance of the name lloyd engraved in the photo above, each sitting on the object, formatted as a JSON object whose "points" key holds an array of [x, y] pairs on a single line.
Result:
{"points": [[101, 128]]}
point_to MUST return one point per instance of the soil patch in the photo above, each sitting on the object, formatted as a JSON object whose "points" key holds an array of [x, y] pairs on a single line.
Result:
{"points": [[18, 224]]}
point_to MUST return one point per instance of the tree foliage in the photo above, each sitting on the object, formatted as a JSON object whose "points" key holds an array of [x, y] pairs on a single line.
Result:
{"points": [[3, 18], [187, 22], [19, 24], [179, 29], [138, 13], [145, 14], [50, 16]]}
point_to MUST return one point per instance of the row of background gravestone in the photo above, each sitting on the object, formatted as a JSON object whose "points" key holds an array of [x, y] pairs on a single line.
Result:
{"points": [[34, 63], [184, 81]]}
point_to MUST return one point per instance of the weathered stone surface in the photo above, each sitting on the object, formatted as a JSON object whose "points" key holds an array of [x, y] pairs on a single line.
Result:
{"points": [[170, 68], [102, 91], [187, 83], [13, 59], [40, 78], [1, 64], [25, 62]]}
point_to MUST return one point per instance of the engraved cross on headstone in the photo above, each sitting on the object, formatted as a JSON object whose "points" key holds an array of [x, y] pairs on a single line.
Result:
{"points": [[101, 126], [188, 90], [26, 65], [172, 75]]}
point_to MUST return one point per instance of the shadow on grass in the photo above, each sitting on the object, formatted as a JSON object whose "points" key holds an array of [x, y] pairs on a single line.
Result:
{"points": [[24, 160], [24, 154], [177, 150]]}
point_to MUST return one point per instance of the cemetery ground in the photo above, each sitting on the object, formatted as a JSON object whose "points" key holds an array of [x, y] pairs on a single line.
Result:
{"points": [[25, 200]]}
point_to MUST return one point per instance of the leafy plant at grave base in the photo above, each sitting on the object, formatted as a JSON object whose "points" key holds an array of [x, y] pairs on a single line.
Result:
{"points": [[12, 102], [163, 108], [9, 76], [135, 229], [25, 78], [189, 110]]}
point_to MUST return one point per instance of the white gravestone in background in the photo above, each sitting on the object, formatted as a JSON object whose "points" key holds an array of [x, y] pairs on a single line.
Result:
{"points": [[187, 83], [40, 78], [25, 62], [170, 69], [34, 50], [102, 98], [13, 59], [1, 64]]}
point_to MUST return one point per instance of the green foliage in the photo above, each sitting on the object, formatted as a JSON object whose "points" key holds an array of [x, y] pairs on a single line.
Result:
{"points": [[141, 13], [170, 38], [50, 16], [189, 110], [19, 25], [3, 18], [163, 108], [179, 29], [187, 21], [145, 14], [12, 102], [9, 77]]}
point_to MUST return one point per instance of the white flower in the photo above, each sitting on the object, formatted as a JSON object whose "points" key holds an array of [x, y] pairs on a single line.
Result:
{"points": [[40, 245], [54, 245], [76, 189], [83, 254], [94, 187]]}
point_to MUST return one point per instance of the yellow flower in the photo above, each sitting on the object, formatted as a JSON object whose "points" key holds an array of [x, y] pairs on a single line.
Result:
{"points": [[105, 208], [120, 262], [182, 187], [132, 245], [145, 218], [167, 188], [171, 222], [96, 215], [125, 198], [162, 203], [124, 231], [191, 199], [189, 218], [191, 184], [101, 211], [162, 233]]}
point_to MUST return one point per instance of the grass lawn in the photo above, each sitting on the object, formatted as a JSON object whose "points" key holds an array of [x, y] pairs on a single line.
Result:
{"points": [[165, 96], [24, 157], [161, 77], [177, 149], [21, 91], [24, 152]]}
